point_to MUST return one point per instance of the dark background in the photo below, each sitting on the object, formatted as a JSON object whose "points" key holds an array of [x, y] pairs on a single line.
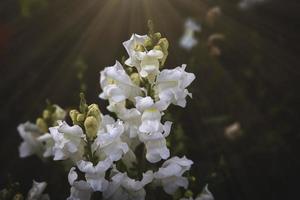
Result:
{"points": [[254, 81]]}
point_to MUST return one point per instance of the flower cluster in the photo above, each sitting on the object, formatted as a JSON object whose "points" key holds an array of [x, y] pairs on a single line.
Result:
{"points": [[119, 157]]}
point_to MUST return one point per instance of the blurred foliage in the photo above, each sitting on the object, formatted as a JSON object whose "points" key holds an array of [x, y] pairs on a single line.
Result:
{"points": [[254, 80], [28, 7]]}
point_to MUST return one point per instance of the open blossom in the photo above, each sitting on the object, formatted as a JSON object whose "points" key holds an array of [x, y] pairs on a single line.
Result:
{"points": [[170, 174], [117, 85], [171, 85], [108, 141], [146, 62], [68, 141], [130, 46], [152, 131], [95, 175], [36, 191], [79, 189], [125, 188], [29, 133], [149, 62], [188, 40]]}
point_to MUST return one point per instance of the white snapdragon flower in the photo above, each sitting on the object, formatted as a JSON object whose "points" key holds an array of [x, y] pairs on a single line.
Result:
{"points": [[146, 62], [188, 40], [108, 141], [130, 46], [170, 174], [79, 189], [151, 115], [68, 141], [149, 63], [36, 192], [117, 85], [152, 131], [125, 188], [95, 175], [29, 133], [171, 85]]}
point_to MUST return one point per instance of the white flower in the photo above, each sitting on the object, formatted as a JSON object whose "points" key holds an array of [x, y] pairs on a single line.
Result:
{"points": [[29, 133], [95, 175], [146, 62], [109, 141], [130, 46], [188, 40], [68, 141], [170, 174], [80, 190], [152, 131], [48, 143], [36, 192], [117, 85], [149, 63], [151, 115], [171, 85], [125, 188]]}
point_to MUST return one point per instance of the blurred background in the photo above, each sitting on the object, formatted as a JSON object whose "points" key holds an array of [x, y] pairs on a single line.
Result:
{"points": [[242, 126]]}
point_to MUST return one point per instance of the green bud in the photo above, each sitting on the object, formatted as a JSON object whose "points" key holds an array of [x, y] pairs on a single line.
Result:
{"points": [[188, 193], [135, 78], [164, 44], [157, 36], [46, 114], [82, 106], [73, 114], [91, 126], [58, 114], [93, 110], [148, 42], [42, 125], [80, 118]]}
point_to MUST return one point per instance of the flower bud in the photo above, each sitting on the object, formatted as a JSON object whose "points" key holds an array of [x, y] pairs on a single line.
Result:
{"points": [[135, 78], [42, 125], [80, 118], [157, 36], [164, 44], [148, 42], [93, 110], [91, 127], [73, 114], [46, 114], [59, 113]]}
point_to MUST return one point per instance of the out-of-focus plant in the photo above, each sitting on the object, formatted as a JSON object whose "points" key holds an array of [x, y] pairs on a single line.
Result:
{"points": [[28, 7]]}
